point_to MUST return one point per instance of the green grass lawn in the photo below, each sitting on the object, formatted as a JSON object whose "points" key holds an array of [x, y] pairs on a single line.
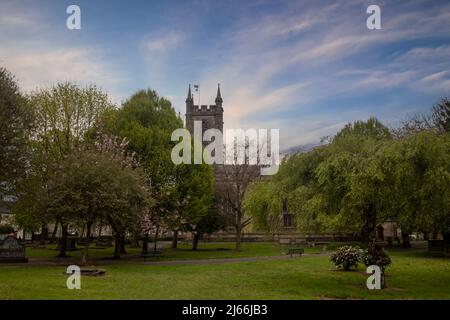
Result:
{"points": [[204, 251], [413, 275]]}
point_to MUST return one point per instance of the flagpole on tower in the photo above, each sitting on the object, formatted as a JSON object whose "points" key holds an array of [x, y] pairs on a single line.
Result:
{"points": [[197, 88]]}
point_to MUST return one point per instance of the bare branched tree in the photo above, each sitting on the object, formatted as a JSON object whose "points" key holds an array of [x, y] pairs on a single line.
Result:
{"points": [[232, 180]]}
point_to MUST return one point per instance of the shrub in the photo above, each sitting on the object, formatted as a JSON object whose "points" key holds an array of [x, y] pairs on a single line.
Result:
{"points": [[346, 257], [376, 256]]}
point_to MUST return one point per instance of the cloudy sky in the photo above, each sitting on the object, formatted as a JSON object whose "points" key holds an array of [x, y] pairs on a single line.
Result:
{"points": [[305, 67]]}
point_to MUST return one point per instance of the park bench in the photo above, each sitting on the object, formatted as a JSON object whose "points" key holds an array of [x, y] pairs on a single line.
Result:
{"points": [[292, 251]]}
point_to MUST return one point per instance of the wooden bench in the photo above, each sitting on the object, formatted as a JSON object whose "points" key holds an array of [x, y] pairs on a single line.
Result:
{"points": [[292, 251]]}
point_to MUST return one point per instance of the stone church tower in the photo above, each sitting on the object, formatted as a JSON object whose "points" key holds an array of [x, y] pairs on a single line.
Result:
{"points": [[211, 116]]}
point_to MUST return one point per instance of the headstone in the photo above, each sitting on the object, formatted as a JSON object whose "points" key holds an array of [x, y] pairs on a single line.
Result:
{"points": [[11, 250]]}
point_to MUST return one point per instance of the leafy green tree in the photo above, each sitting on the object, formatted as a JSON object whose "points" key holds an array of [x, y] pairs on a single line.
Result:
{"points": [[209, 223], [64, 116], [147, 121], [332, 188], [195, 187], [16, 120], [422, 183], [182, 193]]}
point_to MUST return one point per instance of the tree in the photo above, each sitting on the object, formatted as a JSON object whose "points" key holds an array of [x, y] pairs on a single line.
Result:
{"points": [[147, 121], [422, 180], [351, 181], [438, 119], [91, 186], [16, 120], [209, 223], [193, 195], [234, 179], [441, 115], [182, 193], [195, 187], [64, 116], [337, 187]]}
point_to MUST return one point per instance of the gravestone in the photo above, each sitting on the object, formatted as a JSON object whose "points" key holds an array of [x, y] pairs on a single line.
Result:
{"points": [[11, 250]]}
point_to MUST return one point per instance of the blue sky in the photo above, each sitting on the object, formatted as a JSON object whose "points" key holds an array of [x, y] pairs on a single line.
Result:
{"points": [[305, 67]]}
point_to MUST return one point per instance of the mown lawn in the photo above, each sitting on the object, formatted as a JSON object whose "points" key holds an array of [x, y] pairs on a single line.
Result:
{"points": [[204, 251], [413, 275]]}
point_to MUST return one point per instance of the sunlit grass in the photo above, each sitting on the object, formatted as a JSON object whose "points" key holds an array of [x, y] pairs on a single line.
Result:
{"points": [[413, 275]]}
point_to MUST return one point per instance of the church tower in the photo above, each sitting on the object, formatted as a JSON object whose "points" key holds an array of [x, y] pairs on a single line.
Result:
{"points": [[211, 116]]}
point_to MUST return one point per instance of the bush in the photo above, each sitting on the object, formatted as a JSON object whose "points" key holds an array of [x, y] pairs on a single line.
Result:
{"points": [[346, 257], [376, 256]]}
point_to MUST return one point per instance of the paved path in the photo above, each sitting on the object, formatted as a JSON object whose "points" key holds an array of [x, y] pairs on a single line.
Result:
{"points": [[228, 260]]}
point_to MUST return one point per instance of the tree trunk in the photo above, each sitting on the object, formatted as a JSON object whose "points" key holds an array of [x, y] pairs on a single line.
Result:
{"points": [[382, 278], [405, 240], [117, 245], [145, 243], [86, 246], [135, 239], [44, 234], [63, 241], [122, 244], [156, 238], [370, 226], [238, 237], [195, 241], [55, 230], [175, 239]]}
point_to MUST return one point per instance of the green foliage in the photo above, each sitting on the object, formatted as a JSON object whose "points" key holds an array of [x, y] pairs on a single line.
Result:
{"points": [[422, 181], [148, 121], [362, 178], [195, 188], [16, 120], [263, 203], [182, 193], [376, 256], [64, 116], [346, 257], [89, 186]]}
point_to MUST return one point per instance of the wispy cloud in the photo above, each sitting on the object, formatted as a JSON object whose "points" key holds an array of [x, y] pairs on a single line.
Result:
{"points": [[42, 68], [306, 55], [305, 67], [162, 41]]}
